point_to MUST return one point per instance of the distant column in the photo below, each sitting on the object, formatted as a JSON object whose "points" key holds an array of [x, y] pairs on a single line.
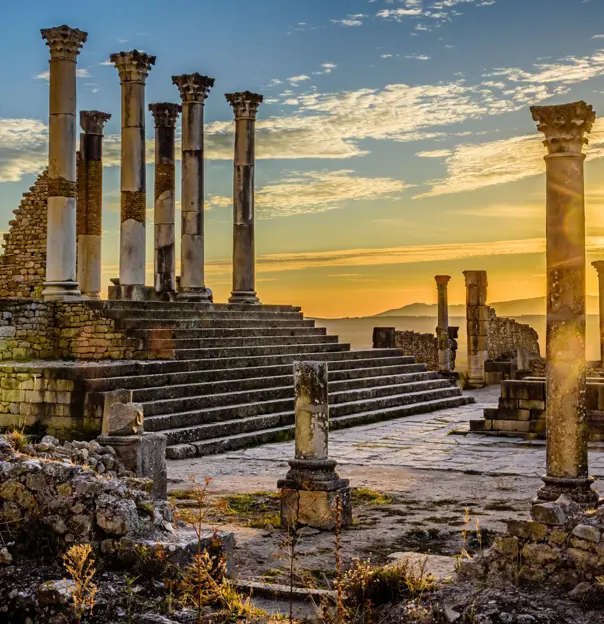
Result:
{"points": [[133, 68], [442, 331], [245, 105], [165, 115], [564, 128], [599, 267], [194, 90], [477, 318], [90, 202], [64, 44]]}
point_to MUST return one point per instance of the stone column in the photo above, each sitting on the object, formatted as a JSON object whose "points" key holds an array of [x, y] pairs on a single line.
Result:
{"points": [[194, 90], [477, 318], [245, 105], [442, 331], [311, 489], [165, 115], [133, 68], [64, 44], [564, 128], [599, 267], [90, 202]]}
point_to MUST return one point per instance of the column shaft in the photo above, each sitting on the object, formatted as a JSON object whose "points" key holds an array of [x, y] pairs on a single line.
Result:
{"points": [[65, 44], [599, 266], [442, 331], [477, 319]]}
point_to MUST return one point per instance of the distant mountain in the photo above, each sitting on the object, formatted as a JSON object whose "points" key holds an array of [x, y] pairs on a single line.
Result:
{"points": [[518, 307]]}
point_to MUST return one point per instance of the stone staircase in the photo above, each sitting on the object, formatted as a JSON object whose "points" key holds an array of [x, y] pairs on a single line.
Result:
{"points": [[223, 375]]}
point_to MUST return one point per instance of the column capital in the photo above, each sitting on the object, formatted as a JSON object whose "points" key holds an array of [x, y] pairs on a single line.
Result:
{"points": [[564, 126], [442, 280], [133, 66], [598, 265], [193, 87], [64, 42], [165, 114], [93, 121], [475, 277], [245, 104]]}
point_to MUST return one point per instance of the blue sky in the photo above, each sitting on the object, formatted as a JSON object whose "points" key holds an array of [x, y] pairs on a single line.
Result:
{"points": [[395, 142]]}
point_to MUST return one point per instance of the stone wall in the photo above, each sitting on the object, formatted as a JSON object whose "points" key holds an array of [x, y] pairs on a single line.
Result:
{"points": [[23, 262], [424, 347], [506, 335]]}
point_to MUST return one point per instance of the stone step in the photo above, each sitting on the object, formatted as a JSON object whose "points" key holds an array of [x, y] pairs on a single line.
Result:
{"points": [[190, 402], [251, 433], [220, 333], [175, 315], [338, 371], [123, 304], [208, 323], [184, 427], [161, 344], [245, 352]]}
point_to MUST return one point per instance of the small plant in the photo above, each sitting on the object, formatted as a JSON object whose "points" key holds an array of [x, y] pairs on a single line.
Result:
{"points": [[464, 380], [366, 496], [80, 566], [17, 438]]}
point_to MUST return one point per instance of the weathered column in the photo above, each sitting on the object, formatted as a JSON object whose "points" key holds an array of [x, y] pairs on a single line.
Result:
{"points": [[90, 202], [477, 318], [64, 44], [564, 128], [442, 331], [194, 89], [599, 266], [245, 105], [312, 489], [133, 68], [165, 115]]}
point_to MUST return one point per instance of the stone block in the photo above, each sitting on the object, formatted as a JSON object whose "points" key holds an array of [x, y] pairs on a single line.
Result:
{"points": [[123, 419], [527, 529], [315, 509], [548, 513], [586, 532]]}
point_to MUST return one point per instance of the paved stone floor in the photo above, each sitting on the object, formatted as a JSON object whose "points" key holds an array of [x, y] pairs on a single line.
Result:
{"points": [[435, 441]]}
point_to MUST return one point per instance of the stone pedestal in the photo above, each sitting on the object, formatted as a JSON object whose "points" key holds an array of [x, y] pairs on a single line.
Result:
{"points": [[165, 115], [477, 318], [90, 202], [384, 337], [133, 68], [599, 267], [564, 128], [442, 330], [245, 105], [312, 493], [194, 90], [64, 44]]}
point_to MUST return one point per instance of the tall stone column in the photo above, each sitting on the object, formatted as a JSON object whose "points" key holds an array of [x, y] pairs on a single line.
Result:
{"points": [[442, 331], [64, 44], [312, 489], [477, 318], [599, 267], [165, 115], [245, 105], [194, 90], [90, 202], [564, 128], [133, 68]]}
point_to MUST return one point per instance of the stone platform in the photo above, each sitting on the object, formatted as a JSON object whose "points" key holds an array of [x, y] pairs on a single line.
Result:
{"points": [[211, 377]]}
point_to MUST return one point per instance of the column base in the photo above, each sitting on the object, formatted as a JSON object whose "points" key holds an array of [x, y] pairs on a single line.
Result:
{"points": [[197, 295], [247, 297], [61, 291], [579, 490], [93, 296], [131, 292]]}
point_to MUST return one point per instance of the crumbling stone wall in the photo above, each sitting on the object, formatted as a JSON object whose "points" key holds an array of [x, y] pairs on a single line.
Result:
{"points": [[23, 263], [506, 335], [424, 347]]}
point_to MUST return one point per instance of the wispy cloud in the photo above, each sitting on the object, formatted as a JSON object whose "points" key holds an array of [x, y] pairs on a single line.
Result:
{"points": [[417, 57], [442, 153], [80, 73], [23, 148], [350, 21], [297, 79], [326, 68]]}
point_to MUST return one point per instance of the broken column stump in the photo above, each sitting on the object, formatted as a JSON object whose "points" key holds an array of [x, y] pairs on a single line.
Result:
{"points": [[142, 453], [312, 493]]}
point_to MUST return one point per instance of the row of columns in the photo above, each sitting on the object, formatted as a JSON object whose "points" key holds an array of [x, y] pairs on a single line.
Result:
{"points": [[63, 279]]}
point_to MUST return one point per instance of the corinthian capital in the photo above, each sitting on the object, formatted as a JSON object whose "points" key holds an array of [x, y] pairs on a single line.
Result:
{"points": [[193, 87], [442, 280], [64, 42], [245, 104], [165, 114], [564, 126], [133, 66], [93, 122]]}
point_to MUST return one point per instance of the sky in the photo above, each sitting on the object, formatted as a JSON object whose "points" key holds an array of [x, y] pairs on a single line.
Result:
{"points": [[395, 141]]}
